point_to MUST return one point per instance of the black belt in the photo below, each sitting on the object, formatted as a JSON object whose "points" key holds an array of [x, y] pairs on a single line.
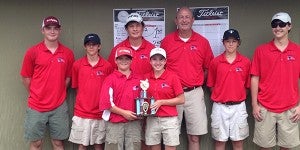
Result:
{"points": [[231, 103], [187, 89]]}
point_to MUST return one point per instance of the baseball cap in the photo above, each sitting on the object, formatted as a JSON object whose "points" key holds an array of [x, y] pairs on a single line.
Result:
{"points": [[285, 17], [123, 51], [134, 17], [50, 20], [92, 37], [231, 33], [158, 50]]}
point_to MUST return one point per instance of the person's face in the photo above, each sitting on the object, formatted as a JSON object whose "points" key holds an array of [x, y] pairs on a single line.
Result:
{"points": [[51, 33], [135, 30], [158, 62], [231, 45], [123, 62], [184, 19], [92, 49], [280, 29]]}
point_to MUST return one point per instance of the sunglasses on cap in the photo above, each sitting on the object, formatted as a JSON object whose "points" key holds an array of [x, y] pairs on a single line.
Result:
{"points": [[281, 24]]}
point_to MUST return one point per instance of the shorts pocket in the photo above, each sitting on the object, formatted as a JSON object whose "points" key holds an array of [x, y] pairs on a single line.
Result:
{"points": [[215, 131], [76, 133], [244, 130]]}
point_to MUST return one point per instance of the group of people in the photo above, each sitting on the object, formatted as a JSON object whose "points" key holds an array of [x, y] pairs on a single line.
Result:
{"points": [[105, 112]]}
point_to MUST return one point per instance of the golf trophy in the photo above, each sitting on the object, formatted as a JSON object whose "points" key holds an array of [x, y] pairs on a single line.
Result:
{"points": [[143, 102]]}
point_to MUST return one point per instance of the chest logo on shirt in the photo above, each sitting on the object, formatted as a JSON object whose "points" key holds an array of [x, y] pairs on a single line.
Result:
{"points": [[60, 60], [164, 85], [238, 69], [99, 73], [143, 56], [135, 88], [290, 58], [193, 47]]}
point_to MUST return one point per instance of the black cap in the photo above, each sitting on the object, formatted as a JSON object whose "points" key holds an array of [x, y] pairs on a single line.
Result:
{"points": [[231, 33], [92, 37]]}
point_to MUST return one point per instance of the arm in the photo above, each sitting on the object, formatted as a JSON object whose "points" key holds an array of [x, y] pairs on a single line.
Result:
{"points": [[68, 80], [254, 93], [296, 116], [170, 102], [129, 115], [26, 83]]}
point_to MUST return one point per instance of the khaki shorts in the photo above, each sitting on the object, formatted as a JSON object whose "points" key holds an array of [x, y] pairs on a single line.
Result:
{"points": [[276, 129], [87, 131], [162, 127], [120, 136], [56, 120], [194, 110], [229, 121]]}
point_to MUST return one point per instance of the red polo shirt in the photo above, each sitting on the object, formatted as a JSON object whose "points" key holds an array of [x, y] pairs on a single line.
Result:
{"points": [[188, 59], [278, 74], [117, 90], [140, 61], [167, 86], [48, 73], [88, 81], [229, 81]]}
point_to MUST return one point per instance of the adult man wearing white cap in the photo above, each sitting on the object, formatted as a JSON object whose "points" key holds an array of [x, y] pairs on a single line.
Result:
{"points": [[275, 74]]}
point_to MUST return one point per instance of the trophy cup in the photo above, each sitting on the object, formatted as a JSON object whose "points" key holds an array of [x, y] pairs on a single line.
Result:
{"points": [[142, 102]]}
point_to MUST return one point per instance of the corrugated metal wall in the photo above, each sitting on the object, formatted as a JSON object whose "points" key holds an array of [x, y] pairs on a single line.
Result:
{"points": [[20, 28]]}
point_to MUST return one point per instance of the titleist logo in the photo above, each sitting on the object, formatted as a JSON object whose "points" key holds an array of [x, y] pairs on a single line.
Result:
{"points": [[209, 12], [148, 14]]}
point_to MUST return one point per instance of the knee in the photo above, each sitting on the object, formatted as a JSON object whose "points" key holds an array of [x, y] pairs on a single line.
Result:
{"points": [[36, 144], [57, 143], [194, 138]]}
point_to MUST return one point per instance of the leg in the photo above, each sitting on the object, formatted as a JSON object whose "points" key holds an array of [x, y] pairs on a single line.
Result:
{"points": [[81, 147], [170, 147], [265, 148], [193, 141], [220, 145], [237, 145], [36, 145], [57, 144], [155, 147], [282, 148], [99, 146]]}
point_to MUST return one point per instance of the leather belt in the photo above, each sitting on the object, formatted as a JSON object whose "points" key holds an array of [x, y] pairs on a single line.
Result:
{"points": [[231, 103], [187, 89]]}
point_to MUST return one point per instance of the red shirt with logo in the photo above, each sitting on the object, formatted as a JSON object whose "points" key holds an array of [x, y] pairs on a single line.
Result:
{"points": [[120, 91], [140, 61], [278, 74], [188, 59], [88, 81], [167, 86], [48, 73], [229, 80]]}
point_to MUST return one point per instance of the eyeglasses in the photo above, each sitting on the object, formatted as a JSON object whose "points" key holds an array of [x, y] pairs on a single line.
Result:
{"points": [[281, 24]]}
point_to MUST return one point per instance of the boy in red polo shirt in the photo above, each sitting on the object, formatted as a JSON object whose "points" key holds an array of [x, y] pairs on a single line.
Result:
{"points": [[88, 74], [117, 100], [228, 78], [46, 73], [166, 89], [275, 74]]}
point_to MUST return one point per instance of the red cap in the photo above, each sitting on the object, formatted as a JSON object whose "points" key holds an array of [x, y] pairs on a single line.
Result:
{"points": [[123, 51], [51, 20]]}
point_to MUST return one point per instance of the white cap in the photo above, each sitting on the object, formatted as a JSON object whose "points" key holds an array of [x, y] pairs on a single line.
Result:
{"points": [[285, 17], [134, 17], [158, 50]]}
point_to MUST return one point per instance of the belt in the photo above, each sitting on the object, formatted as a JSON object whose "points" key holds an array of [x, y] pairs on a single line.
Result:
{"points": [[187, 89], [231, 103]]}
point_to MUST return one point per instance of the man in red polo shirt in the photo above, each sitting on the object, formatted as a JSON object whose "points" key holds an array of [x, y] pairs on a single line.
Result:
{"points": [[117, 100], [135, 41], [275, 74], [228, 78], [46, 73], [189, 55], [88, 74]]}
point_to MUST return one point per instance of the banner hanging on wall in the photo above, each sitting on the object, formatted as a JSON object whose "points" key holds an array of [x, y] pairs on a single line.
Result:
{"points": [[212, 22], [154, 19]]}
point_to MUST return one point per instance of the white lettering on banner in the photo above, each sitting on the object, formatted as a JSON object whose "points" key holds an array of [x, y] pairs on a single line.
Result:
{"points": [[209, 12], [147, 14]]}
